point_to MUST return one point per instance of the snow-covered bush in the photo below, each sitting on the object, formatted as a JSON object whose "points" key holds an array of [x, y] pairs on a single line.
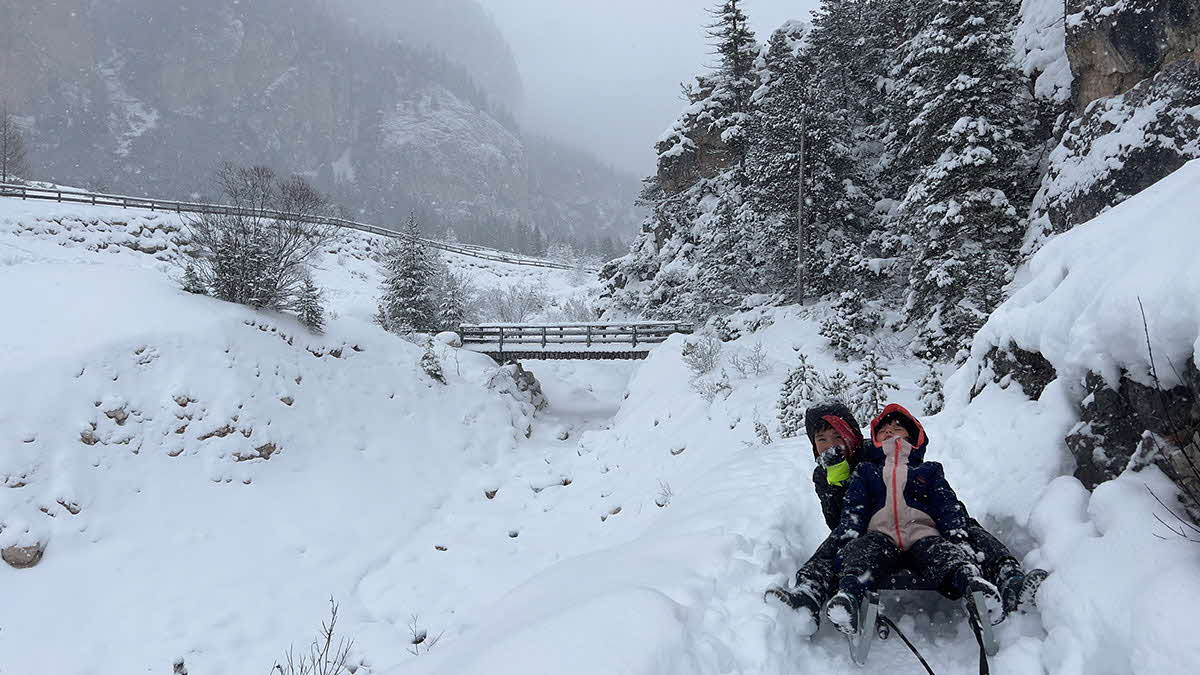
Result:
{"points": [[312, 313], [431, 364], [702, 354], [513, 304], [578, 308], [712, 385], [763, 433], [752, 361], [252, 259], [725, 331]]}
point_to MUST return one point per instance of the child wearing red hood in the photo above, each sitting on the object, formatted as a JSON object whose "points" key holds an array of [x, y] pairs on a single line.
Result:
{"points": [[899, 511]]}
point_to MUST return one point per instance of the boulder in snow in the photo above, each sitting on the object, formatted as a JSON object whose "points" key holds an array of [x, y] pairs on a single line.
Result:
{"points": [[449, 338], [23, 557]]}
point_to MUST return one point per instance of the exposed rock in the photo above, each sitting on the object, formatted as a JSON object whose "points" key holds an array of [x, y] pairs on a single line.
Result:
{"points": [[261, 452], [1111, 435], [519, 383], [1031, 370], [23, 557], [1119, 147], [1115, 44]]}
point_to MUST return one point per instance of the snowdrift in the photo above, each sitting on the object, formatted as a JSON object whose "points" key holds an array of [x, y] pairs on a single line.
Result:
{"points": [[203, 477], [1121, 582]]}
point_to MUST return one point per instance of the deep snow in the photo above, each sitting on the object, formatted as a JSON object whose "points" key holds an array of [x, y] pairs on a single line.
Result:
{"points": [[571, 565]]}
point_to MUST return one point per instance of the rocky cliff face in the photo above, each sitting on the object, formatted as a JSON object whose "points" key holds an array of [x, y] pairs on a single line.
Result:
{"points": [[1120, 146], [1115, 44], [144, 97], [1132, 424], [1136, 107]]}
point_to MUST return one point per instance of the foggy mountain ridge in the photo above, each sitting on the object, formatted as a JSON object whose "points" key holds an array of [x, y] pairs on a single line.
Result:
{"points": [[157, 96]]}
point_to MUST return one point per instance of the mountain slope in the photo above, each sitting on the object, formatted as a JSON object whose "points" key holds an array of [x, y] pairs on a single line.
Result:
{"points": [[298, 86]]}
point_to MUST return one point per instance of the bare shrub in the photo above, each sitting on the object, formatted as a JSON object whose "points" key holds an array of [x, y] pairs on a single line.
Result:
{"points": [[579, 308], [253, 258], [322, 657], [420, 639], [702, 355], [664, 494], [711, 386], [752, 362], [514, 304], [1179, 460]]}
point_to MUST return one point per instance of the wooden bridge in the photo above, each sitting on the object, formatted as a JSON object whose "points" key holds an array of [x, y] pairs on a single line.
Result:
{"points": [[61, 195], [569, 341]]}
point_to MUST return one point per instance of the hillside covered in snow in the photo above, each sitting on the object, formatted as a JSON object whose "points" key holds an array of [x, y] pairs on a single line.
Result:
{"points": [[203, 478], [998, 233]]}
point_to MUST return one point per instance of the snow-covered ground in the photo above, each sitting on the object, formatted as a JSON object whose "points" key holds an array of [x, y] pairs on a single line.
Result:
{"points": [[633, 532]]}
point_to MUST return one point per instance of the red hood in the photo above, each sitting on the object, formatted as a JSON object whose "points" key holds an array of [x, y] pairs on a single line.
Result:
{"points": [[849, 434], [897, 408]]}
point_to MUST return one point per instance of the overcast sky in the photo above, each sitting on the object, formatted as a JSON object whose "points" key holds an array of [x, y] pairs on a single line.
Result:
{"points": [[605, 74]]}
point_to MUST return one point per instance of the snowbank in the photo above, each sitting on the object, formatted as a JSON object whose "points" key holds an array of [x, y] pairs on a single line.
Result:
{"points": [[1121, 582], [1077, 302], [205, 477]]}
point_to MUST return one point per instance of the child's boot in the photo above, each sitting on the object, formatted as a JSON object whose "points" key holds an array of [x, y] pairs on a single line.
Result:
{"points": [[842, 611]]}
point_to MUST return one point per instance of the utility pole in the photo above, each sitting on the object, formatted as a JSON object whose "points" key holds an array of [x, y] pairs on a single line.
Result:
{"points": [[801, 249]]}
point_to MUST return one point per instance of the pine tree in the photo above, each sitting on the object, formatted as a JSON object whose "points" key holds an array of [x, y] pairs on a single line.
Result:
{"points": [[456, 295], [308, 306], [850, 325], [192, 283], [431, 365], [969, 115], [932, 399], [408, 301], [13, 162], [734, 82], [870, 392], [836, 387], [795, 397]]}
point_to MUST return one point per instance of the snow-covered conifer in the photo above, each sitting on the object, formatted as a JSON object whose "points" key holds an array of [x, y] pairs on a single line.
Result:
{"points": [[431, 364], [932, 399], [14, 164], [850, 325], [192, 283], [795, 396], [310, 309], [870, 391], [408, 302], [966, 140]]}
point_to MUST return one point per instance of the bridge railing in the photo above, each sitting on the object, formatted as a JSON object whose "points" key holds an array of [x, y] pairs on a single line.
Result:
{"points": [[585, 335], [69, 196]]}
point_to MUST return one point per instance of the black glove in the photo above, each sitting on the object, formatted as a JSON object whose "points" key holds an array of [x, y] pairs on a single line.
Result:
{"points": [[833, 456]]}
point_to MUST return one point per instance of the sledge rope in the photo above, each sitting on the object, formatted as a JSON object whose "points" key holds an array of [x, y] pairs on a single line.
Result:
{"points": [[977, 628], [891, 624]]}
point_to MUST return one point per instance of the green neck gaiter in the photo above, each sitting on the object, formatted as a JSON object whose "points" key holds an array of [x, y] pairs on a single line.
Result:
{"points": [[838, 473]]}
